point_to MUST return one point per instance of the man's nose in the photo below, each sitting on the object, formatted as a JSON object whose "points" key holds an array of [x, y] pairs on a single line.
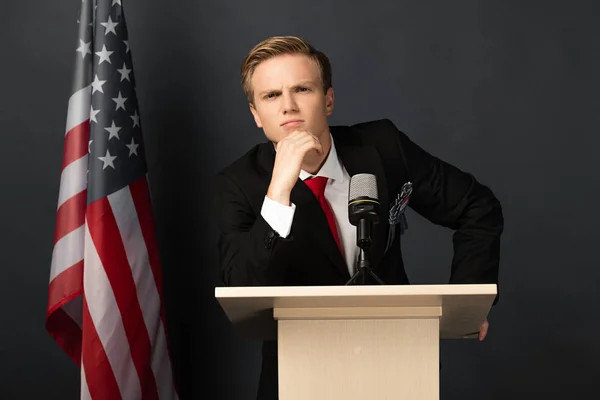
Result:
{"points": [[289, 104]]}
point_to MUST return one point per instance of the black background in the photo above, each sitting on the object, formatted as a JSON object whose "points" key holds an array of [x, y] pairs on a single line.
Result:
{"points": [[507, 90]]}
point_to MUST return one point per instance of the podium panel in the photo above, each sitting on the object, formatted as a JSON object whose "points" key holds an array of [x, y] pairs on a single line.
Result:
{"points": [[384, 358]]}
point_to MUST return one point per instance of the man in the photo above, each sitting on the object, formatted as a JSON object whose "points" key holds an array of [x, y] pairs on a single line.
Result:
{"points": [[275, 227]]}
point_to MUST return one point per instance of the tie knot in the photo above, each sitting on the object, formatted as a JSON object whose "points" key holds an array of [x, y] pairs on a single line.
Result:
{"points": [[317, 185]]}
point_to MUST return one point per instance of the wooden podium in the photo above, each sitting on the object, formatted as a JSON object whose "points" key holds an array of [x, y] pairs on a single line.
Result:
{"points": [[358, 342]]}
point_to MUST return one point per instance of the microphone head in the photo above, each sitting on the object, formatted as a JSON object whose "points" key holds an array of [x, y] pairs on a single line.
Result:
{"points": [[363, 199], [363, 186]]}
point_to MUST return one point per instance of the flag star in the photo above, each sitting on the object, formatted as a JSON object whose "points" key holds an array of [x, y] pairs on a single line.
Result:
{"points": [[110, 26], [126, 46], [90, 146], [84, 48], [117, 2], [107, 160], [97, 85], [124, 73], [132, 147], [120, 101], [113, 130], [104, 55], [93, 114], [136, 119]]}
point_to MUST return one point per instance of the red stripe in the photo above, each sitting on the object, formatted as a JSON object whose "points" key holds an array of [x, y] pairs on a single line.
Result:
{"points": [[140, 194], [141, 200], [65, 286], [107, 240], [66, 333], [99, 375], [76, 143], [70, 215]]}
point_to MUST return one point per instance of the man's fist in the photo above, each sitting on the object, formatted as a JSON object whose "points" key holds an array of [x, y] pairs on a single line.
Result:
{"points": [[288, 162]]}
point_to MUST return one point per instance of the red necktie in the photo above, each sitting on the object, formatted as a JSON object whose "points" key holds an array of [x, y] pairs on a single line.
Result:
{"points": [[317, 185]]}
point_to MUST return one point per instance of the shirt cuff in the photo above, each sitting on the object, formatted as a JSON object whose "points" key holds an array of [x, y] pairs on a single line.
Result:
{"points": [[278, 216]]}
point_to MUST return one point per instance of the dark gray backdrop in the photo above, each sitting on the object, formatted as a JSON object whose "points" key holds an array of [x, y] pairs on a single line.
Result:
{"points": [[505, 89]]}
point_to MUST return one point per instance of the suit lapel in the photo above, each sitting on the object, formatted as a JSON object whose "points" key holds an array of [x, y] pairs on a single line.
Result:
{"points": [[357, 158], [312, 223]]}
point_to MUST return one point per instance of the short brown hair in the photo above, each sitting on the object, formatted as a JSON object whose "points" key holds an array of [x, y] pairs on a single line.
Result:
{"points": [[279, 45]]}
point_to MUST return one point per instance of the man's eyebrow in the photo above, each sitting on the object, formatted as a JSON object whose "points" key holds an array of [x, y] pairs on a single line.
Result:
{"points": [[302, 83], [268, 91]]}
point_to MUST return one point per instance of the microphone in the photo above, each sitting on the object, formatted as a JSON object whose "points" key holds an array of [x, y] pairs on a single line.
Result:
{"points": [[363, 207], [363, 212]]}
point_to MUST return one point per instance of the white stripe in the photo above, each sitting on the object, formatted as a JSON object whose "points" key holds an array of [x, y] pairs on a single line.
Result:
{"points": [[73, 180], [67, 252], [107, 321], [85, 391], [161, 365], [79, 108], [125, 214]]}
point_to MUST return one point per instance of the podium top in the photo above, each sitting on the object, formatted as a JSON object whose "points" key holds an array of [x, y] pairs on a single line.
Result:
{"points": [[463, 306]]}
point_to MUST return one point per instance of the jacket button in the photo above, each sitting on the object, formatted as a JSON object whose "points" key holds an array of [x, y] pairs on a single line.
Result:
{"points": [[269, 239]]}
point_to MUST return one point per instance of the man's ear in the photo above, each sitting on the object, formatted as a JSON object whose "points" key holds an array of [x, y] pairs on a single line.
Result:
{"points": [[255, 115], [329, 101]]}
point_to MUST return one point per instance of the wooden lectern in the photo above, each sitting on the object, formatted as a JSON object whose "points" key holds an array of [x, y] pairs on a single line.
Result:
{"points": [[358, 342]]}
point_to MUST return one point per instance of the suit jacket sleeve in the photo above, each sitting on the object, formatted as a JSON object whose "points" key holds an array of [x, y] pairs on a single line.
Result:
{"points": [[452, 198], [246, 243]]}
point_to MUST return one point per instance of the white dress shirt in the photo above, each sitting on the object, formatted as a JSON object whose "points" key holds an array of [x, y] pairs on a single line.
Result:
{"points": [[280, 216]]}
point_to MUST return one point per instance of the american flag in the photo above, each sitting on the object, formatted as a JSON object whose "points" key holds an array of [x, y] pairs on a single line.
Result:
{"points": [[105, 300]]}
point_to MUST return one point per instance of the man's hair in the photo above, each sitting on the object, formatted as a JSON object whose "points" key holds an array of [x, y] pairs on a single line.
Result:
{"points": [[280, 45]]}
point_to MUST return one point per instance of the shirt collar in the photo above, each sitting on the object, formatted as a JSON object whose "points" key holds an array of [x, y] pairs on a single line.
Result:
{"points": [[331, 168]]}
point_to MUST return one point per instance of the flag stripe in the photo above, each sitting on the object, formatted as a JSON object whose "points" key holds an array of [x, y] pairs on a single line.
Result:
{"points": [[73, 180], [65, 286], [105, 315], [70, 216], [140, 193], [100, 378], [79, 108], [141, 198], [126, 217], [68, 251], [161, 365], [66, 333], [76, 143], [110, 249]]}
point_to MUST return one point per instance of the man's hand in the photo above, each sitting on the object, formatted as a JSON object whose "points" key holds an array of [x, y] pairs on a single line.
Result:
{"points": [[483, 330], [288, 162]]}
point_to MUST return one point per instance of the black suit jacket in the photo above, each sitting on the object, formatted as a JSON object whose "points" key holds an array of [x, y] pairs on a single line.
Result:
{"points": [[251, 253]]}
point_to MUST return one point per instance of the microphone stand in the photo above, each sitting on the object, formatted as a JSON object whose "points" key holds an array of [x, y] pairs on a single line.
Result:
{"points": [[363, 263]]}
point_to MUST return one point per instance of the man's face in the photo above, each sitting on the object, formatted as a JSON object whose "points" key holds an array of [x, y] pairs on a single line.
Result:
{"points": [[289, 96]]}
